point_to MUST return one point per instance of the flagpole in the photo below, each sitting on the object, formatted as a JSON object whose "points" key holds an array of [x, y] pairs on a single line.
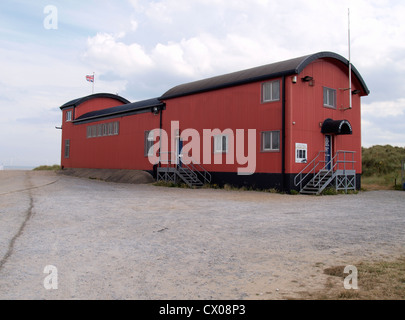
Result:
{"points": [[94, 80], [350, 64]]}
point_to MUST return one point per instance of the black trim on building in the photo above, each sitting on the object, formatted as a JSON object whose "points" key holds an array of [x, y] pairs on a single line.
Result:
{"points": [[76, 102], [263, 181], [269, 71], [150, 105], [338, 127]]}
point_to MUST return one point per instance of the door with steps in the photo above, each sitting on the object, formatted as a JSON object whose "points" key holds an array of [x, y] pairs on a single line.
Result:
{"points": [[320, 173], [192, 174]]}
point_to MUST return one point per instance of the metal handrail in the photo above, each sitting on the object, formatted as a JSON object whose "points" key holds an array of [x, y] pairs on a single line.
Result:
{"points": [[191, 166], [333, 163], [312, 171], [194, 169], [333, 166]]}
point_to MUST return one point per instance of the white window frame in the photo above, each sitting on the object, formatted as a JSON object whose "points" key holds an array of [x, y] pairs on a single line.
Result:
{"points": [[93, 131], [268, 91], [99, 130], [327, 98], [103, 129], [270, 135], [149, 143], [110, 128], [69, 115], [116, 128], [221, 143]]}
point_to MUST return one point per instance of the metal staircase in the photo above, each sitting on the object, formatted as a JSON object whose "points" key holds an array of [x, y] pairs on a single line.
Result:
{"points": [[193, 174], [319, 174]]}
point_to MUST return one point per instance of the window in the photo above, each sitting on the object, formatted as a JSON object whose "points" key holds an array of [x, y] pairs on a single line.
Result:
{"points": [[93, 131], [270, 141], [110, 129], [68, 115], [271, 91], [329, 98], [103, 130], [116, 128], [67, 149], [220, 144], [149, 142]]}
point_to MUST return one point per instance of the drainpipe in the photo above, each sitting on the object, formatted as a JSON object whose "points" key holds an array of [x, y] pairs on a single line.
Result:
{"points": [[283, 178], [160, 138]]}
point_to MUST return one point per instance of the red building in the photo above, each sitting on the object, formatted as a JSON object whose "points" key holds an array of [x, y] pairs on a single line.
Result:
{"points": [[294, 124]]}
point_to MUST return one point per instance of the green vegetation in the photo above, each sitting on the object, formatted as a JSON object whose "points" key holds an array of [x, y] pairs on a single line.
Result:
{"points": [[55, 167], [382, 167], [377, 280]]}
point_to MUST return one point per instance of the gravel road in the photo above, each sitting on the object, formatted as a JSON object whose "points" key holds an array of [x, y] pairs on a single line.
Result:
{"points": [[138, 241]]}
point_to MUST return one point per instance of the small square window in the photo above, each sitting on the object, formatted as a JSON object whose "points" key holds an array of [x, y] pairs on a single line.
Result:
{"points": [[69, 114], [149, 142], [220, 144], [271, 141], [329, 98], [271, 91]]}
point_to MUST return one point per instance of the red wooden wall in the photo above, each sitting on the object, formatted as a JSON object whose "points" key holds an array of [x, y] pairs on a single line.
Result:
{"points": [[232, 108]]}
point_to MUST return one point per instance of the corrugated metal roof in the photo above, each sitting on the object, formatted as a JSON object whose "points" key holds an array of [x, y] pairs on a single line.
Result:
{"points": [[274, 70]]}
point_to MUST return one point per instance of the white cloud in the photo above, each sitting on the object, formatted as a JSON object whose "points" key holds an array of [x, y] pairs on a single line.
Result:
{"points": [[134, 25], [384, 109], [140, 48], [109, 54]]}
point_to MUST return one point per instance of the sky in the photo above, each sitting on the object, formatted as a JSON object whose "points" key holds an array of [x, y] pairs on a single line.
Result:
{"points": [[140, 49]]}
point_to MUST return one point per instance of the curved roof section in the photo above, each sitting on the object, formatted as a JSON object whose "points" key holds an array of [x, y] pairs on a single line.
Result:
{"points": [[336, 127], [274, 70], [120, 110], [76, 102]]}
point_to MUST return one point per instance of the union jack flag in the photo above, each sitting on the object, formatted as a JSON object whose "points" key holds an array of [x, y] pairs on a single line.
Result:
{"points": [[90, 78]]}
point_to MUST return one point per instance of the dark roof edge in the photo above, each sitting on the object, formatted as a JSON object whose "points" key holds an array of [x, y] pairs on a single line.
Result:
{"points": [[230, 84], [76, 102], [328, 54], [100, 117], [306, 60]]}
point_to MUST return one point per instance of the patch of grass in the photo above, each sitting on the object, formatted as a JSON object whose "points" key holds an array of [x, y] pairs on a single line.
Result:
{"points": [[55, 167], [170, 184], [329, 192], [336, 271], [381, 280], [272, 190], [382, 167]]}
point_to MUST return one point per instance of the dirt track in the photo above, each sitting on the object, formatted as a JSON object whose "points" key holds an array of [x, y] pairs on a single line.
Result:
{"points": [[128, 241]]}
